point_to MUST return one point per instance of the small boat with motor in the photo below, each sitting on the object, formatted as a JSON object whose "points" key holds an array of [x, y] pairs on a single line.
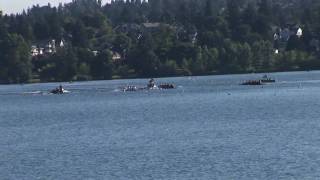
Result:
{"points": [[152, 84], [266, 79], [59, 90]]}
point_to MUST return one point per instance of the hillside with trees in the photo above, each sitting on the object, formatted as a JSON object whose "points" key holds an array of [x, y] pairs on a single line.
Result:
{"points": [[86, 40]]}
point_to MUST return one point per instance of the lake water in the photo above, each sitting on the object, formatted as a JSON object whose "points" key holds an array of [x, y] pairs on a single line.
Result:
{"points": [[207, 128]]}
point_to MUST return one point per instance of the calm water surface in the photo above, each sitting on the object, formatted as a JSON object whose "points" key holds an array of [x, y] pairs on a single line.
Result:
{"points": [[207, 128]]}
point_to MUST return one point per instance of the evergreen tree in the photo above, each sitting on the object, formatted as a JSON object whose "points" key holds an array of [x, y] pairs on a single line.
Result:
{"points": [[101, 66], [182, 37], [15, 61]]}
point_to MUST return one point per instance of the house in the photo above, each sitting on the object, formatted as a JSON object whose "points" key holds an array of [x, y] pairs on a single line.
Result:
{"points": [[276, 36], [34, 51], [186, 34], [299, 32], [95, 53], [62, 43], [285, 34], [50, 47], [116, 57], [151, 25], [46, 47], [193, 37], [128, 28], [132, 30], [138, 30]]}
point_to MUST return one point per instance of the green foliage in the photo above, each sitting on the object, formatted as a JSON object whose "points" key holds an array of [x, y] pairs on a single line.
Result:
{"points": [[15, 61], [169, 68], [62, 66], [262, 56], [101, 66], [158, 38]]}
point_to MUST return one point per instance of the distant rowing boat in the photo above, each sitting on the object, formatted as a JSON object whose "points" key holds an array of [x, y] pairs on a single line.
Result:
{"points": [[265, 79], [167, 86], [159, 87], [268, 80], [252, 83]]}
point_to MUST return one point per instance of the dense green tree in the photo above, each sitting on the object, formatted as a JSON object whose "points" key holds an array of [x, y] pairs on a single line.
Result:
{"points": [[122, 44], [209, 8], [263, 56], [101, 66], [61, 66], [15, 61], [79, 34], [143, 58], [234, 17], [158, 37], [263, 22], [212, 59]]}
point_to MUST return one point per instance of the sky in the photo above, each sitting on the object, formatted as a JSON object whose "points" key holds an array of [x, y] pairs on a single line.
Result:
{"points": [[16, 6]]}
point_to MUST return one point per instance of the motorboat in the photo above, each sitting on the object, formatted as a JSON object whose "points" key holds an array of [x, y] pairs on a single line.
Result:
{"points": [[59, 90], [266, 79], [152, 84]]}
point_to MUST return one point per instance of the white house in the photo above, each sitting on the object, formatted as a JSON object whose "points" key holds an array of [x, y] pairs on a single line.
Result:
{"points": [[46, 47], [299, 32], [116, 56], [61, 43], [34, 51]]}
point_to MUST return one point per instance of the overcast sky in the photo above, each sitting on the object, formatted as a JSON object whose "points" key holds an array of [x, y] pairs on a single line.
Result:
{"points": [[16, 6]]}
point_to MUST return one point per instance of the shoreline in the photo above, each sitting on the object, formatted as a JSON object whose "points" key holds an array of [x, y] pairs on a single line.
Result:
{"points": [[160, 77]]}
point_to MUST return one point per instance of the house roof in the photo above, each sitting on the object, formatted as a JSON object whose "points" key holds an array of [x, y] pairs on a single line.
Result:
{"points": [[151, 25]]}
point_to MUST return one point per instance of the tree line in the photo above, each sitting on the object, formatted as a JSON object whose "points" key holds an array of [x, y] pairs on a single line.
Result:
{"points": [[136, 38]]}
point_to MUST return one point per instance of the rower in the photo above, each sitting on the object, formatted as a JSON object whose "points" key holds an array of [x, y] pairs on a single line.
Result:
{"points": [[151, 83], [60, 89]]}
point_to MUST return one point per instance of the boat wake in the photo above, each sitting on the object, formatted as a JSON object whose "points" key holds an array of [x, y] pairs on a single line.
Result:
{"points": [[33, 92]]}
